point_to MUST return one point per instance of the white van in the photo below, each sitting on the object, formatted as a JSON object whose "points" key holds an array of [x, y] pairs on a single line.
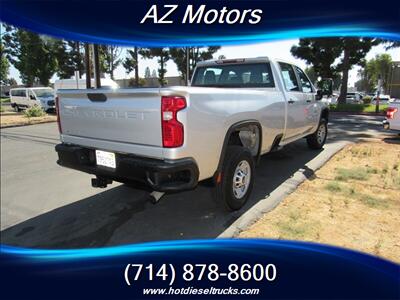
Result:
{"points": [[22, 98]]}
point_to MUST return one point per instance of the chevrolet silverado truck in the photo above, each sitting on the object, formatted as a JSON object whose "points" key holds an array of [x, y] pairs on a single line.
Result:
{"points": [[168, 139]]}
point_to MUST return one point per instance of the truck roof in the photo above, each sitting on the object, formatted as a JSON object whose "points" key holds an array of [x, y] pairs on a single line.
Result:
{"points": [[259, 59], [233, 61]]}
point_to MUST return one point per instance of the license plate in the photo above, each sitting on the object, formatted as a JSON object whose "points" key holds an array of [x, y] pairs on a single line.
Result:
{"points": [[106, 159]]}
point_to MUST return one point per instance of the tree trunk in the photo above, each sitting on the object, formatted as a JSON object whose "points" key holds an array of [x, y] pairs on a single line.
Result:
{"points": [[345, 76], [161, 75], [136, 67]]}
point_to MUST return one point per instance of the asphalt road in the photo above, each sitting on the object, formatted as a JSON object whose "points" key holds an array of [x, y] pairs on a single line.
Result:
{"points": [[45, 205]]}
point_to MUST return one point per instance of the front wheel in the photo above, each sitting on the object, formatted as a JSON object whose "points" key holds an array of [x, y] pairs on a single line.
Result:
{"points": [[16, 107], [318, 138], [237, 178]]}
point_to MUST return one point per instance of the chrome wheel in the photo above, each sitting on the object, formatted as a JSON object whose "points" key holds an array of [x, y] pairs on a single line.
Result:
{"points": [[321, 133], [241, 179]]}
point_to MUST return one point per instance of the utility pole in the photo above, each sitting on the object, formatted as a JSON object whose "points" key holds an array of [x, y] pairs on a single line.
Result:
{"points": [[136, 66], [87, 66], [187, 66], [96, 64], [378, 92]]}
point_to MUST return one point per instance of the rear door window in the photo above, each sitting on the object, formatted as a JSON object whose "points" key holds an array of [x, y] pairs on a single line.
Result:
{"points": [[289, 77], [305, 83]]}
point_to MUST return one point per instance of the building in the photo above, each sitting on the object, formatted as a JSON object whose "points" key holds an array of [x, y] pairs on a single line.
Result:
{"points": [[394, 85], [150, 82]]}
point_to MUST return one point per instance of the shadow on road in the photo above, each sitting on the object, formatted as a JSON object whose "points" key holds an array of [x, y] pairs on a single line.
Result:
{"points": [[124, 215], [38, 139]]}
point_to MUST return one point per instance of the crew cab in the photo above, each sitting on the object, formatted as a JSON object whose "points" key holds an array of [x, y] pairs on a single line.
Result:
{"points": [[168, 139], [392, 121]]}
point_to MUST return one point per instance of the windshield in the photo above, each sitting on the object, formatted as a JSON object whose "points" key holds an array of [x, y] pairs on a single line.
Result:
{"points": [[234, 75], [44, 92]]}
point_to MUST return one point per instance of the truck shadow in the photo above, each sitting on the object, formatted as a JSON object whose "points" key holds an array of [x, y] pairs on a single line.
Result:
{"points": [[123, 215]]}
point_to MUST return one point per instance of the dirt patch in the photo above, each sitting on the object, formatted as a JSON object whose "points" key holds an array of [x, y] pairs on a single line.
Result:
{"points": [[353, 202], [19, 119]]}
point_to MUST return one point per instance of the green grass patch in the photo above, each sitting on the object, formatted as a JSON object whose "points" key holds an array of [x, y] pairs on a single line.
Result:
{"points": [[373, 201], [4, 100], [356, 174], [365, 108], [333, 187], [291, 230], [34, 111], [1, 109]]}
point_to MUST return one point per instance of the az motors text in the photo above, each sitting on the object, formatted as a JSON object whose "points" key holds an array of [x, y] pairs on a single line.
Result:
{"points": [[192, 15]]}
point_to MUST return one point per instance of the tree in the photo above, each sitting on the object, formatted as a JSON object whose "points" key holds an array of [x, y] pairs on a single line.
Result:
{"points": [[375, 68], [110, 59], [311, 74], [69, 55], [4, 66], [163, 56], [320, 53], [354, 52], [31, 54], [392, 44], [323, 52], [196, 54], [147, 73], [11, 81], [131, 63], [154, 73]]}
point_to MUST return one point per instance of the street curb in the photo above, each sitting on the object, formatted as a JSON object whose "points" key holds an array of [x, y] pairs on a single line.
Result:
{"points": [[26, 124], [281, 192]]}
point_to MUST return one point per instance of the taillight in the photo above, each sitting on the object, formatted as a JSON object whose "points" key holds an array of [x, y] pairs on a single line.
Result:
{"points": [[390, 112], [58, 114], [172, 129]]}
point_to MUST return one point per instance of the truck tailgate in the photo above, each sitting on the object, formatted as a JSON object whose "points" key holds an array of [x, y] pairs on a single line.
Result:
{"points": [[127, 116]]}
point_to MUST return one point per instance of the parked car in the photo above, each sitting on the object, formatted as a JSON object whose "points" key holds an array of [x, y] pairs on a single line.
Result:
{"points": [[169, 139], [392, 121], [383, 99], [354, 98], [332, 99], [22, 98]]}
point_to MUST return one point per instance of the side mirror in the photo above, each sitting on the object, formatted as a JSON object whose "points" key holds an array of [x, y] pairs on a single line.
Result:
{"points": [[32, 97], [319, 95]]}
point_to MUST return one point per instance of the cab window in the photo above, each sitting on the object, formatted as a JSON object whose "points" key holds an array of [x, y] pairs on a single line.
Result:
{"points": [[289, 77], [305, 83]]}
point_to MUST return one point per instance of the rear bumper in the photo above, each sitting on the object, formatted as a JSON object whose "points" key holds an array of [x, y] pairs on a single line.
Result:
{"points": [[154, 174]]}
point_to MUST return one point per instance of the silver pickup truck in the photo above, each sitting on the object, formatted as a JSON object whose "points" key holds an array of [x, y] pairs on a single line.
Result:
{"points": [[169, 139]]}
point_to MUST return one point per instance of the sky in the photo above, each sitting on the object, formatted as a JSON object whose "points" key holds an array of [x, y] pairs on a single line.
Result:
{"points": [[277, 49]]}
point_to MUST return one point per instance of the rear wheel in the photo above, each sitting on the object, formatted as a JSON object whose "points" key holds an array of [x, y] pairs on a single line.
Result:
{"points": [[237, 178], [16, 108], [318, 138]]}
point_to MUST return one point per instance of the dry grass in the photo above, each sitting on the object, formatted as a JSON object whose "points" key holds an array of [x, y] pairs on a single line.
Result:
{"points": [[353, 201], [20, 119]]}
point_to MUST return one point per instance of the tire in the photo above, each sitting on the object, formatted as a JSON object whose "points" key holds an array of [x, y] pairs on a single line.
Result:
{"points": [[317, 140], [16, 108], [237, 161]]}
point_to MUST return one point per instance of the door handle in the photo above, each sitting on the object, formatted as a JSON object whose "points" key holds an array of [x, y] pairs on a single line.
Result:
{"points": [[291, 101], [308, 101]]}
